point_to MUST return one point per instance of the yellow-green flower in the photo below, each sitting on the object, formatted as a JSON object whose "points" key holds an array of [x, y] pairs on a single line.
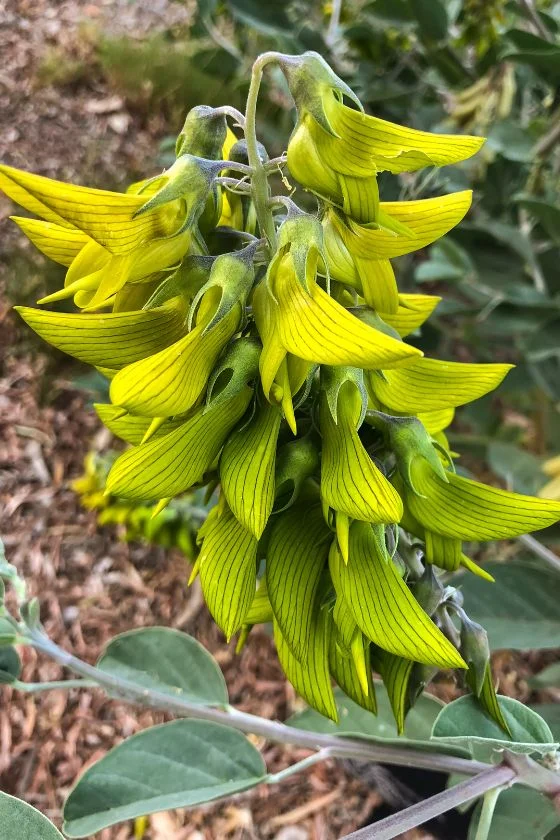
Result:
{"points": [[336, 151], [257, 351]]}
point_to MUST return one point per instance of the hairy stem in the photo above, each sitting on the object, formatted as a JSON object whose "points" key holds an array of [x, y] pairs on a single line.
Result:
{"points": [[421, 812], [259, 180], [339, 747]]}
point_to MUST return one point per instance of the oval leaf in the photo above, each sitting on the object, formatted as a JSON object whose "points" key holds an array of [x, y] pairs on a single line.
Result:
{"points": [[464, 722], [168, 661], [18, 819], [520, 610], [175, 765]]}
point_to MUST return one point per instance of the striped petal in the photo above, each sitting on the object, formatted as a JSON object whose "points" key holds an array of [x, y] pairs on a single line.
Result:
{"points": [[130, 427], [395, 673], [432, 384], [350, 481], [143, 261], [412, 312], [247, 469], [469, 510], [171, 381], [444, 552], [260, 611], [365, 144], [383, 606], [353, 673], [426, 220], [58, 243], [311, 679], [316, 328], [170, 464], [228, 571], [109, 340], [296, 557], [107, 217]]}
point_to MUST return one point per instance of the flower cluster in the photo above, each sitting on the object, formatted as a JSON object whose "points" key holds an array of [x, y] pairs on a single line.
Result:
{"points": [[260, 349]]}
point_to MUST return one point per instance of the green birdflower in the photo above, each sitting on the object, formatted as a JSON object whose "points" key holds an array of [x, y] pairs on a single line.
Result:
{"points": [[258, 353]]}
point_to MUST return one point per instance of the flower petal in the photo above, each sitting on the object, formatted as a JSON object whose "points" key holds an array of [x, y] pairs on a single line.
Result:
{"points": [[426, 219], [228, 571], [317, 328], [383, 606], [260, 611], [469, 510], [368, 143], [433, 384], [105, 216], [111, 339], [58, 243], [349, 677], [170, 464], [296, 557], [311, 679], [413, 311], [350, 481], [129, 427], [395, 673], [171, 381], [247, 469]]}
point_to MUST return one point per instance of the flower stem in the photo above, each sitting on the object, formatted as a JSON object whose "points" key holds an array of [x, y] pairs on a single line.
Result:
{"points": [[259, 180], [421, 812], [36, 687], [274, 778], [486, 814]]}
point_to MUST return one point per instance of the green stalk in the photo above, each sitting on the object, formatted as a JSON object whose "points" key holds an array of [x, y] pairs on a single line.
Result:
{"points": [[259, 180], [486, 814]]}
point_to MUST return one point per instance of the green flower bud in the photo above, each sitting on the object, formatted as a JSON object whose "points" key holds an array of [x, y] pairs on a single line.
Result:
{"points": [[296, 462], [302, 235], [203, 133], [238, 367], [411, 444], [475, 650], [234, 275], [346, 383], [190, 179], [185, 282], [428, 591], [310, 80], [239, 154]]}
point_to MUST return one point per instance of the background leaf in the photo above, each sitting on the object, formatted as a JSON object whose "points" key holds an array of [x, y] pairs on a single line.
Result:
{"points": [[520, 610], [464, 722], [547, 677], [175, 765], [521, 470], [22, 821], [165, 660]]}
